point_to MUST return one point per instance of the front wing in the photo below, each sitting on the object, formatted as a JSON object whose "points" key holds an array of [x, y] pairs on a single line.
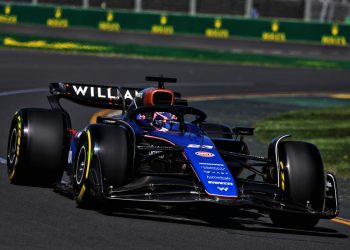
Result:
{"points": [[252, 195]]}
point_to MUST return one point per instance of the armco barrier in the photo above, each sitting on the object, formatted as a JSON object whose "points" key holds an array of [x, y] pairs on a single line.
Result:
{"points": [[169, 24]]}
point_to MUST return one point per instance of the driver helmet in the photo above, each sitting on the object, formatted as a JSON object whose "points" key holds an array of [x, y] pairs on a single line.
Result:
{"points": [[165, 121], [161, 121]]}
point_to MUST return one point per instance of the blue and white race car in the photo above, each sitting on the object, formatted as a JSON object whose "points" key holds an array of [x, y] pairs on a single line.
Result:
{"points": [[159, 150]]}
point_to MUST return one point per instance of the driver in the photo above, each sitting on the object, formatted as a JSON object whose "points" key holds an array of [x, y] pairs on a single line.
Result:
{"points": [[165, 121], [161, 121]]}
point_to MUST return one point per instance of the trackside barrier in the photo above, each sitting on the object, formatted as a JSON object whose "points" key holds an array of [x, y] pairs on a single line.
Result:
{"points": [[170, 24]]}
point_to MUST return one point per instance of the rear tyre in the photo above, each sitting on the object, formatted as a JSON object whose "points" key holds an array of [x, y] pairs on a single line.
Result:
{"points": [[38, 147], [215, 130], [101, 163], [302, 179]]}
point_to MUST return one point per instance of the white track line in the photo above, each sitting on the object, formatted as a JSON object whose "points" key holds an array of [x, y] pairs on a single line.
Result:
{"points": [[2, 161], [22, 91]]}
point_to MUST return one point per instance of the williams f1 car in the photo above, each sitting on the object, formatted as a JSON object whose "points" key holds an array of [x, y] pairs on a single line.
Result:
{"points": [[159, 150]]}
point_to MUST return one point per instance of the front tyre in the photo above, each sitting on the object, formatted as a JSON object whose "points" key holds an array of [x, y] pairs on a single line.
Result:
{"points": [[101, 163], [302, 179]]}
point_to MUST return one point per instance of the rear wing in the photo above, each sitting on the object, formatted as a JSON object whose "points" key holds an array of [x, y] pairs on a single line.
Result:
{"points": [[110, 97]]}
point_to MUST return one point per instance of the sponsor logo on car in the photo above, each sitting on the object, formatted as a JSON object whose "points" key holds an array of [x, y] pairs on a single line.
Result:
{"points": [[204, 154], [214, 172], [223, 188], [200, 146], [102, 92], [156, 152], [211, 164], [221, 183], [213, 168], [220, 178]]}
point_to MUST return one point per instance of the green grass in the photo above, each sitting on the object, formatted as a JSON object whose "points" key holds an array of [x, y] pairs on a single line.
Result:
{"points": [[102, 48], [327, 128]]}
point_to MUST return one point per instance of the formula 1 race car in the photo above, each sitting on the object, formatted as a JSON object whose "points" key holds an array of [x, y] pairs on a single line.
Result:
{"points": [[159, 150]]}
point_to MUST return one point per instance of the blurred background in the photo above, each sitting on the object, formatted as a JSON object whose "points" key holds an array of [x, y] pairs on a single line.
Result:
{"points": [[307, 10]]}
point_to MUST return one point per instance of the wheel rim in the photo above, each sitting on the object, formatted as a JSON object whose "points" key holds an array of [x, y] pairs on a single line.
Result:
{"points": [[13, 146], [81, 165]]}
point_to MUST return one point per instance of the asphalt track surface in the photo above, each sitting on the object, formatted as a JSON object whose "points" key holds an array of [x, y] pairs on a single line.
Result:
{"points": [[38, 218], [188, 41]]}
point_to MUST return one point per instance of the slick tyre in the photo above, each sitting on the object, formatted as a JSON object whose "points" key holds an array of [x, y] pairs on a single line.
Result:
{"points": [[302, 179], [101, 163], [38, 147], [215, 130]]}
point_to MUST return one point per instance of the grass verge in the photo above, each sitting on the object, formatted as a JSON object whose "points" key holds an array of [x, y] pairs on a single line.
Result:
{"points": [[82, 46], [328, 128]]}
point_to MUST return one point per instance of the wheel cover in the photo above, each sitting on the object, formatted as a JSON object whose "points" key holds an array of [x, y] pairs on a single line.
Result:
{"points": [[80, 165], [13, 146]]}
